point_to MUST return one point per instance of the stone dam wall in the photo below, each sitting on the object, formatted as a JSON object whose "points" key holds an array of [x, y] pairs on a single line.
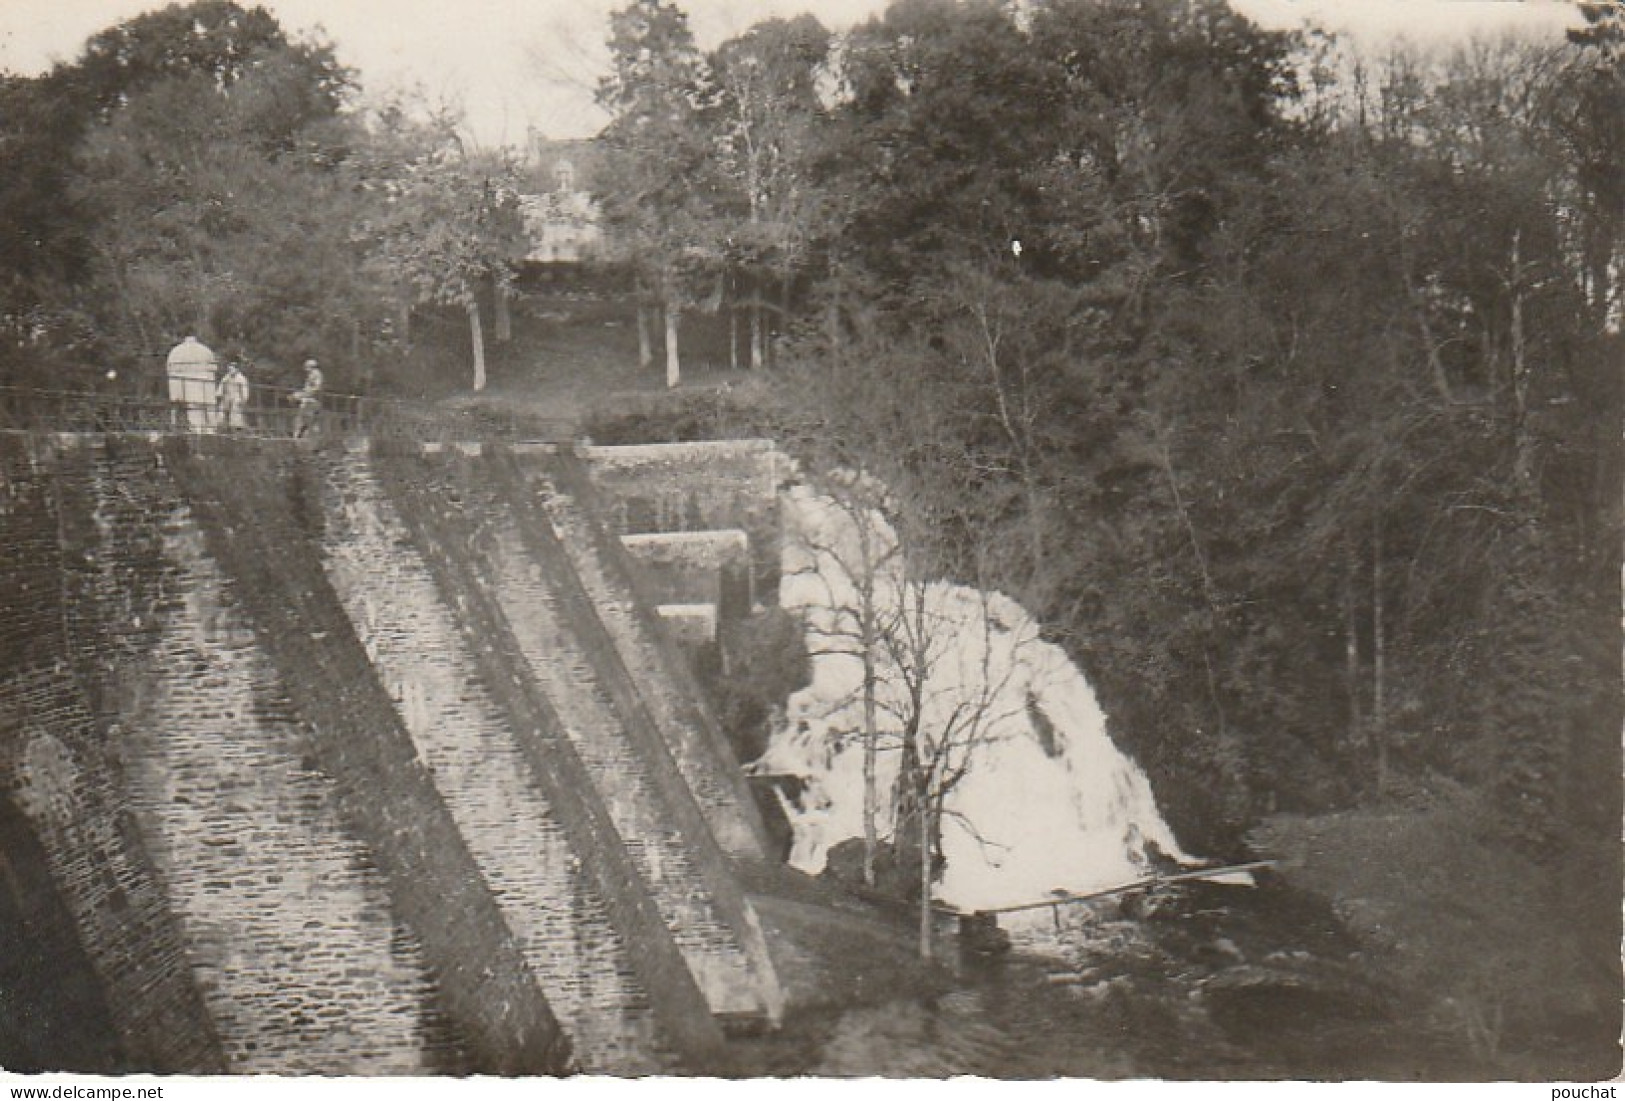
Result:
{"points": [[342, 762], [693, 487], [696, 567], [73, 531]]}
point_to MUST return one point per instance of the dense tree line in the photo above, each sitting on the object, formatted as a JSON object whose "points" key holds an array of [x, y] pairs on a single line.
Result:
{"points": [[1283, 379], [1283, 384], [197, 170]]}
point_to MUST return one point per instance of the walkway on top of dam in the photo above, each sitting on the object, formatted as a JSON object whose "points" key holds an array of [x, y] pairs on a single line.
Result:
{"points": [[271, 413]]}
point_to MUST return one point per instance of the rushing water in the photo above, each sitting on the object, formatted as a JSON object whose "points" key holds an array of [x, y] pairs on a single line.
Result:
{"points": [[1046, 801], [1197, 982], [1205, 980]]}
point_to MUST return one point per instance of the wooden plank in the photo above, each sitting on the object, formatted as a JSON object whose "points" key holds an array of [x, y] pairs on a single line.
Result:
{"points": [[1137, 885]]}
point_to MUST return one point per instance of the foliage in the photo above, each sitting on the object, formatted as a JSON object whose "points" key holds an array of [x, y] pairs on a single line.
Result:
{"points": [[216, 217], [1271, 412], [1436, 898], [1294, 416], [658, 179], [1280, 382], [684, 418], [195, 170], [769, 127], [447, 224], [52, 225]]}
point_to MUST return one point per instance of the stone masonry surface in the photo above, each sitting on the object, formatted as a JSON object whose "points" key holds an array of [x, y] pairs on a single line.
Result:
{"points": [[695, 487], [449, 542], [549, 635], [59, 752], [286, 919], [691, 626], [462, 736], [299, 826], [259, 507], [53, 1015], [657, 698], [287, 929], [695, 567], [673, 699]]}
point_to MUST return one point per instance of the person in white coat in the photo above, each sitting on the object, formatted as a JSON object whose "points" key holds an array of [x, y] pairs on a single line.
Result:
{"points": [[191, 368], [232, 398]]}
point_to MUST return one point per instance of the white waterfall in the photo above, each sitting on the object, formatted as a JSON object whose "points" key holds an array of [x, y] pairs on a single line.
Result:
{"points": [[1047, 801]]}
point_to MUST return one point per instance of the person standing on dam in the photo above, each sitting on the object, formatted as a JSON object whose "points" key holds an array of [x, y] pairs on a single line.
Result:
{"points": [[191, 369], [232, 397], [308, 398]]}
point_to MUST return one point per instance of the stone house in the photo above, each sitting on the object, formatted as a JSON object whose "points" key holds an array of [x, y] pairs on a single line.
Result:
{"points": [[560, 214]]}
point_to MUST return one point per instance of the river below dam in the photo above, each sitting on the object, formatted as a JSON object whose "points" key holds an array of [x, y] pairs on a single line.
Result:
{"points": [[1246, 979], [1195, 982]]}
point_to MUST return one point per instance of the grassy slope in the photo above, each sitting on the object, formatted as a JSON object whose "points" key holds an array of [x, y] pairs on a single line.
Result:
{"points": [[1516, 957], [568, 355]]}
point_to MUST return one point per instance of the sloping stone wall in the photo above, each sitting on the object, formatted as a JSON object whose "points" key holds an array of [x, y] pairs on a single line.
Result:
{"points": [[562, 631], [61, 755], [261, 514], [545, 887], [287, 920], [53, 1009], [560, 483], [452, 544], [299, 782], [700, 486], [696, 567]]}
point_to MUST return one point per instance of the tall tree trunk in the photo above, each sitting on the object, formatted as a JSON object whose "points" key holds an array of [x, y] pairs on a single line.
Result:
{"points": [[121, 277], [646, 354], [837, 299], [1379, 703], [785, 287], [203, 305], [504, 313], [1599, 261], [925, 866], [1165, 452], [755, 333], [674, 372], [1037, 513], [733, 337], [832, 319], [478, 335], [1523, 440], [1441, 377], [1351, 648], [871, 751], [403, 321]]}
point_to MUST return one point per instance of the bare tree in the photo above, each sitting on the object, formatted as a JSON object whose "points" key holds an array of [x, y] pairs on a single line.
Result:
{"points": [[933, 685], [951, 700], [859, 622]]}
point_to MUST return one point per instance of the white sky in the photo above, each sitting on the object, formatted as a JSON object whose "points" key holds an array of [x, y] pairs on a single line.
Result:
{"points": [[514, 63]]}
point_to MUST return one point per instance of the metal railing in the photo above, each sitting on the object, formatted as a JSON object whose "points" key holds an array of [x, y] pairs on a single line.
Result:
{"points": [[271, 412]]}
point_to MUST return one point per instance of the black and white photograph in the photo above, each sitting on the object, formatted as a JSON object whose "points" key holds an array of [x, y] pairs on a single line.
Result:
{"points": [[554, 542]]}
